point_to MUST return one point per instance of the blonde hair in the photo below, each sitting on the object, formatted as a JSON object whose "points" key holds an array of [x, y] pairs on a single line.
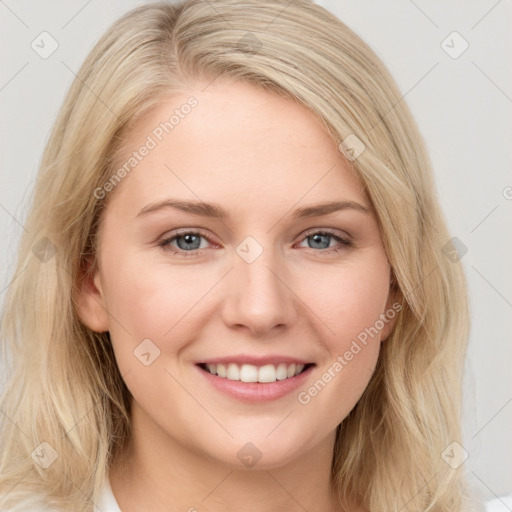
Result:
{"points": [[64, 387]]}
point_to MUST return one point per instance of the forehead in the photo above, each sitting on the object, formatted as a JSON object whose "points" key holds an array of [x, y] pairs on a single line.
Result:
{"points": [[238, 144]]}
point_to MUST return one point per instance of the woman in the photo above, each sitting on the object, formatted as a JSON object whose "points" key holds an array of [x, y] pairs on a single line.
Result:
{"points": [[307, 353]]}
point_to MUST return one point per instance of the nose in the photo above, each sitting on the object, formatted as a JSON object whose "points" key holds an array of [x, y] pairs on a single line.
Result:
{"points": [[258, 297]]}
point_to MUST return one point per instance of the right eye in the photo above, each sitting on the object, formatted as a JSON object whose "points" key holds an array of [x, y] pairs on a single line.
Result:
{"points": [[185, 240]]}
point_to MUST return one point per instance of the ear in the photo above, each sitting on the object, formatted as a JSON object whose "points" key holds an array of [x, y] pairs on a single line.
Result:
{"points": [[392, 310], [90, 299]]}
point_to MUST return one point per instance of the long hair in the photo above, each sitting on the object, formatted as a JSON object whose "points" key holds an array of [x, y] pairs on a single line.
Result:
{"points": [[65, 409]]}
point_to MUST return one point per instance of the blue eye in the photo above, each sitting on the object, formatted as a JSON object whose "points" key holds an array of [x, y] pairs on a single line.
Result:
{"points": [[319, 238], [189, 242]]}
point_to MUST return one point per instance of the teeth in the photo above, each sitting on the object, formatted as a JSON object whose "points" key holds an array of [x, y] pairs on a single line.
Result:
{"points": [[221, 370], [248, 373], [233, 372], [251, 373], [282, 371], [267, 373]]}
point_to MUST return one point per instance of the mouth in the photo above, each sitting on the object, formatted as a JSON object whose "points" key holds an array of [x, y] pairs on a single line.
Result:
{"points": [[252, 373], [255, 383]]}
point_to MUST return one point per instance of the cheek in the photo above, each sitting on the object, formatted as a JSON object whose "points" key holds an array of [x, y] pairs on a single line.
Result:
{"points": [[142, 289], [349, 302], [361, 299], [148, 302], [348, 299]]}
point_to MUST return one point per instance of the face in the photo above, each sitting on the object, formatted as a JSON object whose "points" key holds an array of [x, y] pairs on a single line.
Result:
{"points": [[289, 299]]}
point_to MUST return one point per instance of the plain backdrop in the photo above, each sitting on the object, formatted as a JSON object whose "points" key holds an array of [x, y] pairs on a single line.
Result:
{"points": [[451, 62]]}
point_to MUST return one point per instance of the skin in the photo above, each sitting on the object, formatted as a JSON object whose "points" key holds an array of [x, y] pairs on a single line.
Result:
{"points": [[260, 157]]}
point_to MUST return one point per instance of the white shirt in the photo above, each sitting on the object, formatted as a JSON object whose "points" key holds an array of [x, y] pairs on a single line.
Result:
{"points": [[107, 501]]}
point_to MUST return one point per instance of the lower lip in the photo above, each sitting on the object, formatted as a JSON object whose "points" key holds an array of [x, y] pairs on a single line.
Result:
{"points": [[256, 391]]}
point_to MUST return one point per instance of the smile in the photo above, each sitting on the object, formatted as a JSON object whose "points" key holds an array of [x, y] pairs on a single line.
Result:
{"points": [[255, 383], [252, 373]]}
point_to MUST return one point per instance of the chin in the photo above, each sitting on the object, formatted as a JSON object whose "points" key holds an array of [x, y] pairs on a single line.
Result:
{"points": [[258, 452]]}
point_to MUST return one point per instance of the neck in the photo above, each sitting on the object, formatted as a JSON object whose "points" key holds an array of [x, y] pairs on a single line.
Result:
{"points": [[155, 472]]}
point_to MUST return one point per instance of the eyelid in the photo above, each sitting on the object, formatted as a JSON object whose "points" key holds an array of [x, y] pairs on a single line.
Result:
{"points": [[183, 231], [168, 236], [331, 231]]}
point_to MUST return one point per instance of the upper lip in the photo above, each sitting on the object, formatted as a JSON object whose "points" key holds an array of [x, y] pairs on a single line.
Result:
{"points": [[255, 360]]}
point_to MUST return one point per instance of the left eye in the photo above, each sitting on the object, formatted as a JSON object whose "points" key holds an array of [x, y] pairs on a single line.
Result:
{"points": [[189, 242], [319, 238]]}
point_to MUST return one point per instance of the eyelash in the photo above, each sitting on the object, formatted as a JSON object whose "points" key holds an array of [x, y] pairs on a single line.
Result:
{"points": [[165, 244]]}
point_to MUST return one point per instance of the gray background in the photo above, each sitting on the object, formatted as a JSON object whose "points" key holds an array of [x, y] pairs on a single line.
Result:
{"points": [[462, 106]]}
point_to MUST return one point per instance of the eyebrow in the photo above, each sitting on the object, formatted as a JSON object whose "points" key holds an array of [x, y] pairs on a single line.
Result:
{"points": [[215, 211]]}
